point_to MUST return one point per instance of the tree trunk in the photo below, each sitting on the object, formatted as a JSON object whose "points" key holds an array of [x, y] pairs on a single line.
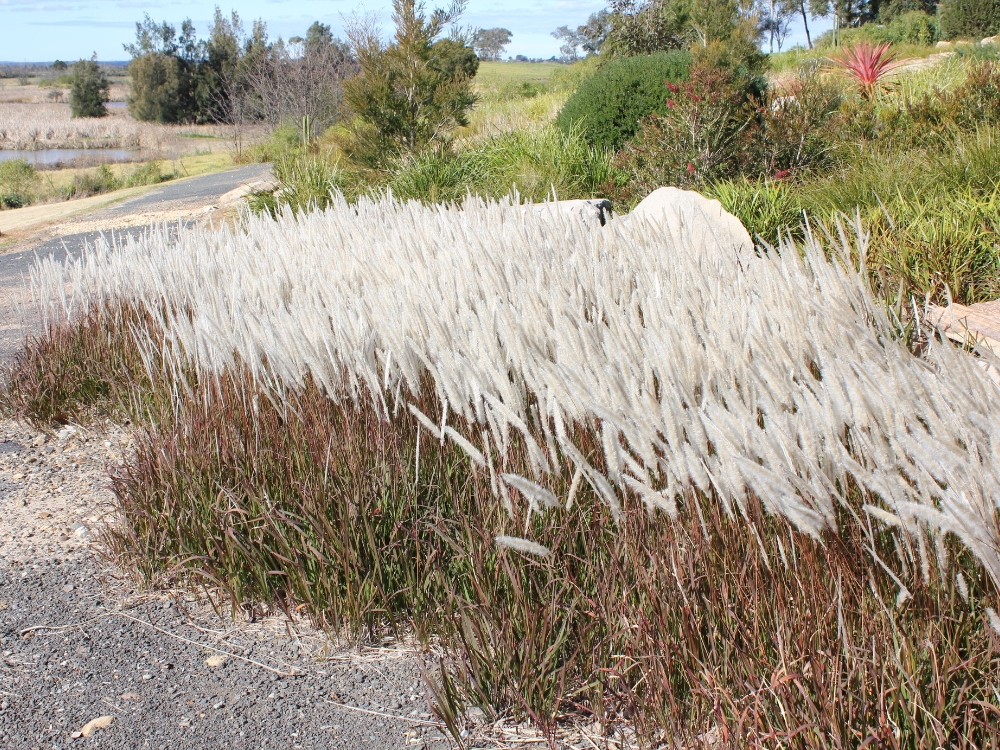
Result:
{"points": [[805, 22]]}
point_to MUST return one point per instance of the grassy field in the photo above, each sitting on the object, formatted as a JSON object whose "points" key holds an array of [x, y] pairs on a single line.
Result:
{"points": [[493, 74]]}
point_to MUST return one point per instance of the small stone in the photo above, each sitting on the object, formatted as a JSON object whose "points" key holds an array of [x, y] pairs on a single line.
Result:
{"points": [[215, 660], [76, 735], [44, 514], [101, 722], [68, 588]]}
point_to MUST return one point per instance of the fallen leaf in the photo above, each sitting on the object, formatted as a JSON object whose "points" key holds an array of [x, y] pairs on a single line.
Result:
{"points": [[101, 722], [215, 660]]}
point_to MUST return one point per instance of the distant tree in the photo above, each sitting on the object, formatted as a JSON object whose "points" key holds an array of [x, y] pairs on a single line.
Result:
{"points": [[89, 90], [301, 79], [59, 65], [589, 37], [220, 61], [776, 20], [848, 13], [412, 91], [641, 27], [162, 72], [490, 43]]}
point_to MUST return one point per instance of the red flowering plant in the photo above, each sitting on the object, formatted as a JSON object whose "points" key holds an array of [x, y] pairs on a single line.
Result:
{"points": [[705, 133]]}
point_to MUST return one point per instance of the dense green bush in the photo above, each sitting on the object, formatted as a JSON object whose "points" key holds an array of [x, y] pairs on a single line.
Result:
{"points": [[914, 27], [160, 88], [971, 19], [17, 182], [608, 106], [89, 89]]}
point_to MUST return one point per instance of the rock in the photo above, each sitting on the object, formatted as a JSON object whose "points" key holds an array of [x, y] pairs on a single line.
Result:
{"points": [[990, 40], [687, 213], [101, 722], [590, 211], [38, 441], [945, 45], [215, 660]]}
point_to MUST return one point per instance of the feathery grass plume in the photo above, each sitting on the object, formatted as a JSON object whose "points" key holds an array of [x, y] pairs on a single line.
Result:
{"points": [[730, 372], [523, 545]]}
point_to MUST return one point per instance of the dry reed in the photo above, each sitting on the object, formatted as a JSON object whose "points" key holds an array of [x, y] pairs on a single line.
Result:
{"points": [[35, 126]]}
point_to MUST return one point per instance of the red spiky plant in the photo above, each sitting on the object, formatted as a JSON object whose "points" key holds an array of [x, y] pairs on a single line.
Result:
{"points": [[868, 65]]}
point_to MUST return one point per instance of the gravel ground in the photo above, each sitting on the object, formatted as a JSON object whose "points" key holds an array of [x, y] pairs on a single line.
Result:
{"points": [[80, 642]]}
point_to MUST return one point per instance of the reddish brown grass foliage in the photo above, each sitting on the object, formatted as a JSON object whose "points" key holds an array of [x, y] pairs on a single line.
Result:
{"points": [[740, 625]]}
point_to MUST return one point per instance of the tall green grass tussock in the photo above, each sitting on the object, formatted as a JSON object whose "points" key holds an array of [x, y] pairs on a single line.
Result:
{"points": [[728, 500]]}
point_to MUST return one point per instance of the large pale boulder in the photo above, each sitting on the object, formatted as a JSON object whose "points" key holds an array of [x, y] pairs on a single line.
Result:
{"points": [[690, 215], [596, 211]]}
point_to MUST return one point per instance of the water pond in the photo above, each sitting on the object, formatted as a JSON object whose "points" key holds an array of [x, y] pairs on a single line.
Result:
{"points": [[70, 156]]}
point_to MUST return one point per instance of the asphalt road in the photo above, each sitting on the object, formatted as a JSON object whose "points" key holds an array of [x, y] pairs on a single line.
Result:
{"points": [[18, 321]]}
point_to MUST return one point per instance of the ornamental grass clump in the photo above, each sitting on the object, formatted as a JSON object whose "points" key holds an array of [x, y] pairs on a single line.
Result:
{"points": [[868, 65], [621, 472]]}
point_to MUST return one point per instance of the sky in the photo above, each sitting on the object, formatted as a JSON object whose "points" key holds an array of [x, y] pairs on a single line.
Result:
{"points": [[42, 30]]}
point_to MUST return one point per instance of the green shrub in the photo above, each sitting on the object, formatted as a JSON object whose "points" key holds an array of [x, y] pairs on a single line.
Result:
{"points": [[411, 92], [970, 19], [710, 131], [93, 182], [17, 183], [608, 106], [914, 27], [150, 173], [89, 90]]}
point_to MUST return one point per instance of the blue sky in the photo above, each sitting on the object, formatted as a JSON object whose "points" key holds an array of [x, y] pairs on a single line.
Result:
{"points": [[42, 30]]}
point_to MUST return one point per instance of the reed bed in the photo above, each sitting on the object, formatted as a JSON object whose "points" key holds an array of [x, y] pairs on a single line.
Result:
{"points": [[629, 472], [37, 126]]}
